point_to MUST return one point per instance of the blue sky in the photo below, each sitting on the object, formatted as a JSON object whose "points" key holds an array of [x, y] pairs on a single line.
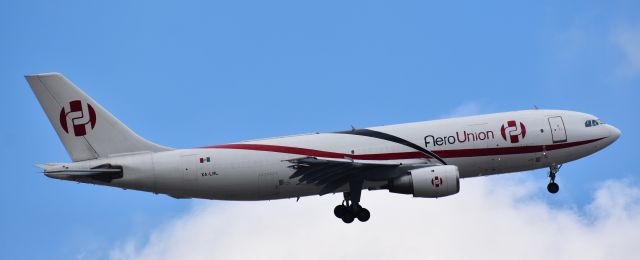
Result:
{"points": [[193, 73]]}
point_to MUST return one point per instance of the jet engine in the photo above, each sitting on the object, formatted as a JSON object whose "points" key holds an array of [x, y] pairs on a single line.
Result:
{"points": [[428, 182]]}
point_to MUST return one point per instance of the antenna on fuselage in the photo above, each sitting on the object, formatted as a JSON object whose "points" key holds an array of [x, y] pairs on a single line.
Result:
{"points": [[535, 107]]}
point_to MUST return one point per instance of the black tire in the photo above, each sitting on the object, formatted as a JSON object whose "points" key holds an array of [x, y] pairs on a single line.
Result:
{"points": [[348, 217], [364, 215], [340, 210], [553, 188]]}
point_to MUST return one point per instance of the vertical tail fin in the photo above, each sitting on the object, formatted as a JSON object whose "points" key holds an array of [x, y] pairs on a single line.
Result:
{"points": [[87, 130]]}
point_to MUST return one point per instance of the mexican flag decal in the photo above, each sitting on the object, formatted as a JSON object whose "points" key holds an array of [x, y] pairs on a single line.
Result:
{"points": [[205, 159]]}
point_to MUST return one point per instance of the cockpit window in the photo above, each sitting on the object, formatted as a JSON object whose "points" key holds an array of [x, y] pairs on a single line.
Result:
{"points": [[590, 123]]}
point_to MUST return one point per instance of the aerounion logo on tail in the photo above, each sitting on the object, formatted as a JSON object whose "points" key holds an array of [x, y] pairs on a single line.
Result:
{"points": [[79, 115], [514, 131]]}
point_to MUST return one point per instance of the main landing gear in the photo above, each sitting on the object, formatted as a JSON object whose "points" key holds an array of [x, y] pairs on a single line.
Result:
{"points": [[350, 208], [553, 187]]}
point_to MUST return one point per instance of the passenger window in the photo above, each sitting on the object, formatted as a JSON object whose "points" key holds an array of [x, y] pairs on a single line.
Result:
{"points": [[588, 123]]}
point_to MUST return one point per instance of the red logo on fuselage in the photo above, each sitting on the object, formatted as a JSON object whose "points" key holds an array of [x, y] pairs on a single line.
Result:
{"points": [[79, 116], [513, 131]]}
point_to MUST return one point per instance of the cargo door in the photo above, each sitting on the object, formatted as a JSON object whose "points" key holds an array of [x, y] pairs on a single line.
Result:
{"points": [[558, 132]]}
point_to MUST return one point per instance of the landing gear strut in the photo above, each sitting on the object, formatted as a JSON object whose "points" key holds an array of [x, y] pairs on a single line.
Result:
{"points": [[350, 208], [553, 187]]}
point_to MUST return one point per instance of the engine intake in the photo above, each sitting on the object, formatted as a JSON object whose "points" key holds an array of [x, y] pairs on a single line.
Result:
{"points": [[428, 182]]}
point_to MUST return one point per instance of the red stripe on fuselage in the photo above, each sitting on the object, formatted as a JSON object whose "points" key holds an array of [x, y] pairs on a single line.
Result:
{"points": [[319, 153], [454, 153], [509, 150]]}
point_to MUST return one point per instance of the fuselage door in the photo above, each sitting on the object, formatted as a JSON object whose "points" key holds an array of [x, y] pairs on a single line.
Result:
{"points": [[558, 132]]}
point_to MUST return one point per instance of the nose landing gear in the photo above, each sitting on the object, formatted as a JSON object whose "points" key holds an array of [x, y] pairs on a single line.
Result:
{"points": [[553, 187]]}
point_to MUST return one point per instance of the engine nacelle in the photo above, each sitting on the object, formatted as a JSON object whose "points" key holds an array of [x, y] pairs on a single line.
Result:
{"points": [[428, 182]]}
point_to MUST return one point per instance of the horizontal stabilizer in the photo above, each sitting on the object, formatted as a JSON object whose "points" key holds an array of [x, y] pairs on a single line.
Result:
{"points": [[104, 172], [85, 172]]}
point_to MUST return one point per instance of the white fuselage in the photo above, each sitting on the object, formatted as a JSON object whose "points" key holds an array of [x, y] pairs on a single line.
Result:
{"points": [[258, 170]]}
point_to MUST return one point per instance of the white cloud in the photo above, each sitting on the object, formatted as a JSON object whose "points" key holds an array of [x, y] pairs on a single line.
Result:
{"points": [[492, 218], [627, 39]]}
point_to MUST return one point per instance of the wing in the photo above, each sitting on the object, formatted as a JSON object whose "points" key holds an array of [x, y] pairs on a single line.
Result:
{"points": [[332, 173]]}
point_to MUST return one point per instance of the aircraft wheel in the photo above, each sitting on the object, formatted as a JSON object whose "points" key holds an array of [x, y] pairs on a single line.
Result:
{"points": [[553, 187], [364, 215], [340, 211], [347, 217]]}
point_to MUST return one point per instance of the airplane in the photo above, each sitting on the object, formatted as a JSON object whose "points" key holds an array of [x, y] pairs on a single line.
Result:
{"points": [[423, 159]]}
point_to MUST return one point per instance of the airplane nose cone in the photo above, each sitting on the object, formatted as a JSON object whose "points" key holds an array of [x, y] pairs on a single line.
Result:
{"points": [[615, 133]]}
